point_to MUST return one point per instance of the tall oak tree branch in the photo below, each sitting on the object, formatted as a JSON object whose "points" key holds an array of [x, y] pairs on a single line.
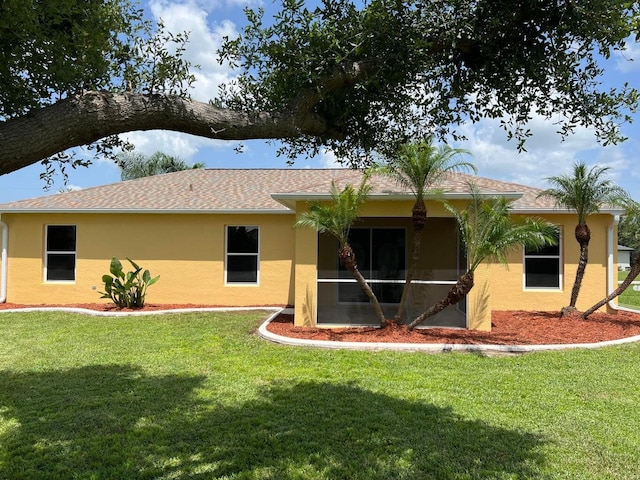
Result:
{"points": [[89, 117]]}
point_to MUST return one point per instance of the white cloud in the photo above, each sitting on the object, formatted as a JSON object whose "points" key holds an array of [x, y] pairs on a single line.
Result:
{"points": [[546, 154], [70, 188], [210, 5], [205, 38], [172, 143], [628, 60], [328, 159]]}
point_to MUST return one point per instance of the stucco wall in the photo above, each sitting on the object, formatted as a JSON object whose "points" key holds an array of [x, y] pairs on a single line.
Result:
{"points": [[507, 290], [306, 253], [187, 251], [439, 250], [496, 287]]}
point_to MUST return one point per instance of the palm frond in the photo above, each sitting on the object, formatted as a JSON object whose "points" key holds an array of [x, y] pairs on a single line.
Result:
{"points": [[337, 216], [489, 231], [418, 167], [584, 191]]}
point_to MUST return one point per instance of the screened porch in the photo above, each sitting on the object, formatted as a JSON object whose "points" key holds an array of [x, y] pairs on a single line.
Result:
{"points": [[383, 248]]}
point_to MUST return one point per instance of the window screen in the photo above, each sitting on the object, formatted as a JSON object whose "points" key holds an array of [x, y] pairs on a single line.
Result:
{"points": [[242, 254], [60, 253], [542, 267]]}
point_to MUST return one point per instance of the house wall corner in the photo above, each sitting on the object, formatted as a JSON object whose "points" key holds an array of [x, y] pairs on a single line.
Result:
{"points": [[479, 301], [306, 251]]}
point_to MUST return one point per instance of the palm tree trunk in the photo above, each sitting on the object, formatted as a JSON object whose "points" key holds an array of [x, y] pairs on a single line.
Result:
{"points": [[459, 291], [582, 265], [419, 219], [348, 259], [583, 236], [633, 273]]}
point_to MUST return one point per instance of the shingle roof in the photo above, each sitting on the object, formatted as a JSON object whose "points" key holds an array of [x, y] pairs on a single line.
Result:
{"points": [[246, 190]]}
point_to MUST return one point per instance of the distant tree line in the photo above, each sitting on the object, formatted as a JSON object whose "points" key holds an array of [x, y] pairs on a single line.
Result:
{"points": [[137, 165]]}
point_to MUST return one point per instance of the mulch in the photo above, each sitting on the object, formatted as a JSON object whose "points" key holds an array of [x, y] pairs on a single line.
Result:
{"points": [[512, 327], [507, 328]]}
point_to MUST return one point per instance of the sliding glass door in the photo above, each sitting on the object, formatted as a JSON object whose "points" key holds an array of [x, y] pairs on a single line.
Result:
{"points": [[381, 258]]}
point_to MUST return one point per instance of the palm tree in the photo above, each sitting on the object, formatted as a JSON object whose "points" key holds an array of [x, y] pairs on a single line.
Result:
{"points": [[137, 165], [584, 192], [418, 167], [632, 210], [488, 231], [336, 219]]}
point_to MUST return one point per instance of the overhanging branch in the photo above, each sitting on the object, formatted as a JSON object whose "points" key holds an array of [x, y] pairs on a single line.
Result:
{"points": [[87, 118], [344, 76]]}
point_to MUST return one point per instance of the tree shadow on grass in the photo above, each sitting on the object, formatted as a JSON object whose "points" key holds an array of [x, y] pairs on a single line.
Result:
{"points": [[81, 423], [117, 422]]}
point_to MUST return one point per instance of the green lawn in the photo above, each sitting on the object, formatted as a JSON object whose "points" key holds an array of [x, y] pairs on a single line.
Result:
{"points": [[630, 298], [201, 396]]}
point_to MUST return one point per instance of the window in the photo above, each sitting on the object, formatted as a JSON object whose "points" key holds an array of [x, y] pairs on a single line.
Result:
{"points": [[60, 253], [380, 256], [543, 267], [242, 255]]}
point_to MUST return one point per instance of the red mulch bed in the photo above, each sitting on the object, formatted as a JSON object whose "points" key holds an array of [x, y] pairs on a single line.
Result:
{"points": [[508, 327]]}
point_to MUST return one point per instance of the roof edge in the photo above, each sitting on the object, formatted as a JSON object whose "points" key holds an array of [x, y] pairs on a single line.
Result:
{"points": [[155, 211], [289, 199], [562, 211]]}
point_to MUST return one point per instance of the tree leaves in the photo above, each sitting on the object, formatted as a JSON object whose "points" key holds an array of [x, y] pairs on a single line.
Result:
{"points": [[134, 165], [432, 65], [365, 77]]}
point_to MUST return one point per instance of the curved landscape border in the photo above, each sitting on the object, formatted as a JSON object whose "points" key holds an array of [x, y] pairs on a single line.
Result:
{"points": [[264, 333], [429, 347], [99, 313]]}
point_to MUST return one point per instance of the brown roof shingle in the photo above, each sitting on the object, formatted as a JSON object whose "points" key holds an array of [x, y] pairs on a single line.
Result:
{"points": [[243, 190]]}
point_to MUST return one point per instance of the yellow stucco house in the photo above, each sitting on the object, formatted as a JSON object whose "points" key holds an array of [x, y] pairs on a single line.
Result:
{"points": [[225, 237]]}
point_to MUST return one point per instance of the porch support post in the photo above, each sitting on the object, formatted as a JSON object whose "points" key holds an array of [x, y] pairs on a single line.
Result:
{"points": [[306, 261], [479, 300]]}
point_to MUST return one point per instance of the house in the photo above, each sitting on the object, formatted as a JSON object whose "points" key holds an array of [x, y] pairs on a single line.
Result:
{"points": [[624, 257], [226, 237]]}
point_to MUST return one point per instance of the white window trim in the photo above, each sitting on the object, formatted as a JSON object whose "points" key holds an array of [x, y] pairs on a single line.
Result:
{"points": [[66, 252], [227, 255], [560, 267]]}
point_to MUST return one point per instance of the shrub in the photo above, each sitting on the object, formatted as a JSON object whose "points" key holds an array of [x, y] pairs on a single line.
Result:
{"points": [[127, 290]]}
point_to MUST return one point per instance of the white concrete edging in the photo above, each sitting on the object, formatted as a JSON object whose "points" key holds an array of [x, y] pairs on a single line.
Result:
{"points": [[427, 347], [97, 313], [329, 344]]}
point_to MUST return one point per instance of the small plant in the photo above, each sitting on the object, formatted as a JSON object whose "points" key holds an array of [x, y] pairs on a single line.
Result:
{"points": [[127, 290]]}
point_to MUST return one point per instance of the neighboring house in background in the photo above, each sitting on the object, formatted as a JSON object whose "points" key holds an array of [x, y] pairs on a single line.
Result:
{"points": [[226, 237], [624, 257]]}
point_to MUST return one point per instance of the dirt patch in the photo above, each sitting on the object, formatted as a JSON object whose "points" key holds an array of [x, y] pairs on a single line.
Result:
{"points": [[508, 328]]}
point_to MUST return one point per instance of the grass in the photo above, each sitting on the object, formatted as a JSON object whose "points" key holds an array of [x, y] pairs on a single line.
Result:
{"points": [[630, 298], [201, 396]]}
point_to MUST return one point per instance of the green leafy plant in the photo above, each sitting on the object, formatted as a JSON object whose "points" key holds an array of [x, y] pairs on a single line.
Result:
{"points": [[127, 290]]}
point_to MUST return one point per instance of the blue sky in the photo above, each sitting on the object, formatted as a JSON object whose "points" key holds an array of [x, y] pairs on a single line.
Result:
{"points": [[208, 21]]}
